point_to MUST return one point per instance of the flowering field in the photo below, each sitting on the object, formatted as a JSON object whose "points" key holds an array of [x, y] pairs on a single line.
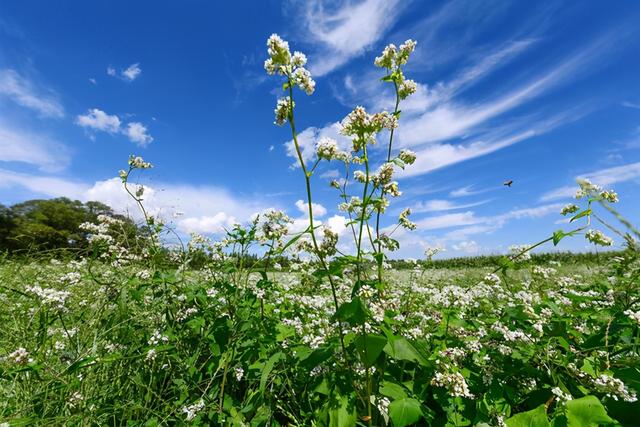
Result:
{"points": [[267, 327]]}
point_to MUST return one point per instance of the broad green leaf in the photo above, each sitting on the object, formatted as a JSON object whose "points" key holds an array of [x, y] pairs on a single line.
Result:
{"points": [[353, 312], [404, 412], [344, 415], [268, 367], [587, 412], [392, 390], [370, 346], [534, 418]]}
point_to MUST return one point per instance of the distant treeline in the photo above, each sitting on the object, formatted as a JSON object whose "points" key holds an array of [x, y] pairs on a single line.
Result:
{"points": [[40, 225], [564, 258]]}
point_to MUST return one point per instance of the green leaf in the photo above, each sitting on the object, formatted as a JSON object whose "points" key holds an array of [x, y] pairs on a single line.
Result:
{"points": [[557, 236], [353, 312], [268, 367], [581, 214], [401, 349], [392, 390], [370, 346], [404, 412], [344, 415], [587, 412], [534, 418]]}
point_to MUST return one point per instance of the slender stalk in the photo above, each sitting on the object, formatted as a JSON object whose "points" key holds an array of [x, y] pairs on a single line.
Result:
{"points": [[378, 213], [307, 179]]}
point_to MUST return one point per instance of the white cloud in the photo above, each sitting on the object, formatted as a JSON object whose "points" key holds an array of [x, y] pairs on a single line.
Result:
{"points": [[137, 132], [448, 220], [438, 205], [337, 224], [318, 210], [467, 246], [23, 92], [603, 177], [132, 72], [17, 145], [347, 30], [99, 120], [215, 224], [42, 185], [93, 81], [129, 74]]}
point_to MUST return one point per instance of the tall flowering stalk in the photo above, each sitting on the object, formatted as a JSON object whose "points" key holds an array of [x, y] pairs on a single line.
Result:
{"points": [[291, 66]]}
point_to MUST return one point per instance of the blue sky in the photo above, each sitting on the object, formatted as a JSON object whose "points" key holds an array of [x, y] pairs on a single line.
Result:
{"points": [[540, 93]]}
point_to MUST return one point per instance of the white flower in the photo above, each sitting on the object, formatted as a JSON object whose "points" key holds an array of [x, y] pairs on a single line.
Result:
{"points": [[407, 156], [597, 237], [283, 110], [192, 410], [569, 209], [327, 148], [239, 373]]}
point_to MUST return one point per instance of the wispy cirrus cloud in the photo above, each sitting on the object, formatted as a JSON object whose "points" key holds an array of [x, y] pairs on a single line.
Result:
{"points": [[26, 93], [24, 146], [346, 29], [604, 177], [439, 205]]}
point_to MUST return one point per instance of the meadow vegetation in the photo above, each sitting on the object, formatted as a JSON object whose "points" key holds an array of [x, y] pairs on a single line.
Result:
{"points": [[266, 327]]}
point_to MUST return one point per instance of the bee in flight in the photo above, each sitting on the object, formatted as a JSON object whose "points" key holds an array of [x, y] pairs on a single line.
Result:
{"points": [[508, 183]]}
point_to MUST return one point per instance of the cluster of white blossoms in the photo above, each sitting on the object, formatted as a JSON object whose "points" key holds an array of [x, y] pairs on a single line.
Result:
{"points": [[51, 297], [614, 388], [407, 156], [561, 395], [610, 196], [363, 127], [429, 253], [137, 162], [158, 338], [274, 226], [20, 356], [192, 410], [283, 110], [327, 149], [239, 373], [281, 62], [520, 253], [454, 382], [633, 315], [393, 59], [404, 221], [597, 237], [569, 209]]}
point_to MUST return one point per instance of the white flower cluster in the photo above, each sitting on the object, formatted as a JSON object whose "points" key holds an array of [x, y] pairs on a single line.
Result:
{"points": [[561, 395], [407, 156], [633, 315], [429, 253], [158, 338], [281, 62], [454, 382], [327, 148], [597, 237], [569, 209], [192, 410], [20, 356], [614, 388], [51, 297], [283, 110], [404, 221], [393, 59], [520, 253], [137, 162]]}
